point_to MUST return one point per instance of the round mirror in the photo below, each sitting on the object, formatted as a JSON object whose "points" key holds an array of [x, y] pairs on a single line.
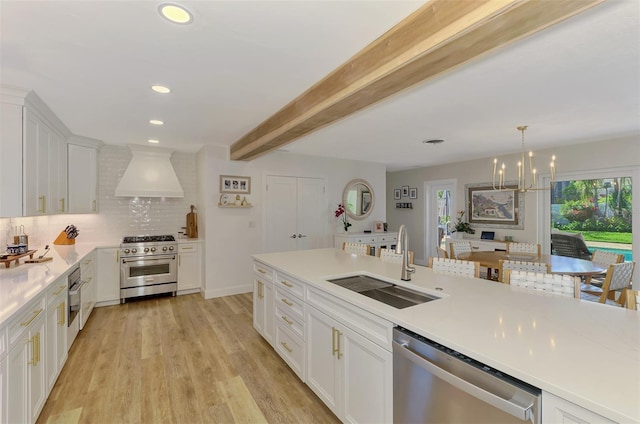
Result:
{"points": [[358, 199]]}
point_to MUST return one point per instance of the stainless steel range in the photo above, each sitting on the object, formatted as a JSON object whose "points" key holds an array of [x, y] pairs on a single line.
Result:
{"points": [[148, 265]]}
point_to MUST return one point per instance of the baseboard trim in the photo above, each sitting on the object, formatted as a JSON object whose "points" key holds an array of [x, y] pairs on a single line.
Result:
{"points": [[228, 291]]}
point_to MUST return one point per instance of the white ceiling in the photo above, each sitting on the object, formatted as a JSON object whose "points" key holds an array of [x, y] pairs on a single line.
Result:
{"points": [[93, 62]]}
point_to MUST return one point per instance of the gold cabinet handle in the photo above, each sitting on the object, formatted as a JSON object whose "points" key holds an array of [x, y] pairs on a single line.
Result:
{"points": [[287, 320], [286, 302], [338, 334], [261, 271], [35, 349], [333, 341], [43, 202], [57, 292], [260, 292], [62, 320], [62, 204], [286, 283], [286, 347], [35, 314], [187, 248]]}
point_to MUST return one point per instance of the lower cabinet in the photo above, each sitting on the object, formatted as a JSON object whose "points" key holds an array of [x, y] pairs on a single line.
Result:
{"points": [[56, 342], [4, 402], [558, 410], [108, 275], [189, 275], [263, 308], [352, 375]]}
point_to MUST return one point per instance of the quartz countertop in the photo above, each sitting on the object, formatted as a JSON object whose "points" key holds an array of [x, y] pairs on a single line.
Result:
{"points": [[584, 352], [21, 283]]}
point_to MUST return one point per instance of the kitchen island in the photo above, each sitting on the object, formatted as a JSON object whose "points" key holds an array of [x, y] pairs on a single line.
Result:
{"points": [[584, 353]]}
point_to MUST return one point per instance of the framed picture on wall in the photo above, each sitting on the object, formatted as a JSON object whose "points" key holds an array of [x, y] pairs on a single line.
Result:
{"points": [[396, 194], [488, 207], [405, 191], [378, 226], [235, 184], [413, 193]]}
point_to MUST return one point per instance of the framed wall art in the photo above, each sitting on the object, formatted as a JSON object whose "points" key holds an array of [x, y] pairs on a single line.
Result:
{"points": [[396, 194], [405, 191], [413, 193], [378, 227], [235, 184], [487, 207]]}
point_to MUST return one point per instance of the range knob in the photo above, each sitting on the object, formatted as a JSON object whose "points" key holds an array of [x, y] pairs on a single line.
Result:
{"points": [[134, 250], [126, 251], [153, 249], [146, 249], [164, 248], [170, 247]]}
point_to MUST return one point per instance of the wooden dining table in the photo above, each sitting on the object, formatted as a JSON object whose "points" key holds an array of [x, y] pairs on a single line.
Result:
{"points": [[558, 264]]}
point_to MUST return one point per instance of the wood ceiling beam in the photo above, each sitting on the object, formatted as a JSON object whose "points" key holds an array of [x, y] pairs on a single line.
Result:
{"points": [[438, 37]]}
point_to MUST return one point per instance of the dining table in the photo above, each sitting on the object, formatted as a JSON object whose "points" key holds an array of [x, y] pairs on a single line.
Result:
{"points": [[558, 264]]}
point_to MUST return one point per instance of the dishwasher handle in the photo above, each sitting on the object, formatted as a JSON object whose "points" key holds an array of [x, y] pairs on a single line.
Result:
{"points": [[524, 413]]}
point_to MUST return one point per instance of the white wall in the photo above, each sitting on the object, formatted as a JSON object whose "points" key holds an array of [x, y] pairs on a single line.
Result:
{"points": [[613, 153], [233, 235]]}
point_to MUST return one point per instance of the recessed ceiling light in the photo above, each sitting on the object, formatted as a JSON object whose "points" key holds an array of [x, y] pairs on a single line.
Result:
{"points": [[156, 122], [161, 89], [435, 141], [154, 141], [175, 13]]}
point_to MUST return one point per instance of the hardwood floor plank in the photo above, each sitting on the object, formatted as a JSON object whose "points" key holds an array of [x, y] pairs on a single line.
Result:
{"points": [[178, 360]]}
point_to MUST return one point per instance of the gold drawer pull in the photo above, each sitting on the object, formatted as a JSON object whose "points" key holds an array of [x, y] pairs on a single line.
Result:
{"points": [[63, 316], [57, 292], [287, 302], [286, 347], [286, 283], [261, 271], [287, 320], [35, 314], [35, 349]]}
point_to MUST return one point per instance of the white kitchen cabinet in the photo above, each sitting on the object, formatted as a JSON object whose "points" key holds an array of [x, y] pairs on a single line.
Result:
{"points": [[561, 411], [263, 318], [480, 245], [56, 341], [189, 273], [4, 386], [108, 275], [290, 325], [26, 365], [374, 240], [352, 375], [32, 139], [83, 175], [88, 290]]}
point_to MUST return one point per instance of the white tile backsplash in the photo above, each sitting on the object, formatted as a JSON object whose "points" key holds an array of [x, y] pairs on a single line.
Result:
{"points": [[117, 216]]}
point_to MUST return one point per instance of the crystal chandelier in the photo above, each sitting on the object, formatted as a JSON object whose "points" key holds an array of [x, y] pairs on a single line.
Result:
{"points": [[526, 173]]}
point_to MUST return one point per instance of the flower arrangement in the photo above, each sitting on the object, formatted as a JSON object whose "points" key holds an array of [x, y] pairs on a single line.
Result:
{"points": [[341, 212], [462, 226]]}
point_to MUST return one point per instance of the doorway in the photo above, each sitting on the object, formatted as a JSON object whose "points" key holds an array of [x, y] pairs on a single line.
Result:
{"points": [[440, 208]]}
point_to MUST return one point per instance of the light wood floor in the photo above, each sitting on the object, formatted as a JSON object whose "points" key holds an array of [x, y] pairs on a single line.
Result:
{"points": [[178, 360]]}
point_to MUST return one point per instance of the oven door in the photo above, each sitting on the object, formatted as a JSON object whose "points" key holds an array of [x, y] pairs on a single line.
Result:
{"points": [[148, 271]]}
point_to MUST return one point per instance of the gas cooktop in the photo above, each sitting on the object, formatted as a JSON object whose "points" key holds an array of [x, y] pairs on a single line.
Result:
{"points": [[146, 239]]}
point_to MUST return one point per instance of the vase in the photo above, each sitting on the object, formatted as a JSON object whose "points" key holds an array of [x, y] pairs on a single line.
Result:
{"points": [[457, 235]]}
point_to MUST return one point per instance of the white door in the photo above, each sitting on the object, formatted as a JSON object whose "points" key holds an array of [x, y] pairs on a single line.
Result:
{"points": [[441, 208], [296, 210]]}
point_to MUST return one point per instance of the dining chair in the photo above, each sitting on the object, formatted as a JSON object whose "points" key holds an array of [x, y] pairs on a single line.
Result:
{"points": [[356, 248], [390, 255], [618, 279], [569, 244], [455, 267], [592, 284], [564, 285], [533, 248], [441, 252], [632, 299], [459, 246], [505, 265]]}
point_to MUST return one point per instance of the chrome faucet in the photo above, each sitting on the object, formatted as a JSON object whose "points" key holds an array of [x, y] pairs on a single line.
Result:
{"points": [[403, 248]]}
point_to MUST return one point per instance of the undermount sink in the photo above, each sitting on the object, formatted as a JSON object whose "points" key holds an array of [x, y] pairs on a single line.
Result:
{"points": [[382, 291]]}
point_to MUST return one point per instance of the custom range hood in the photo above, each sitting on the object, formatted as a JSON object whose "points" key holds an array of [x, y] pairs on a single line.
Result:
{"points": [[149, 174]]}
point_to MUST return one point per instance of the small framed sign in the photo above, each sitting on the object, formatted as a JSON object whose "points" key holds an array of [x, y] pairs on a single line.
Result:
{"points": [[413, 193], [235, 184]]}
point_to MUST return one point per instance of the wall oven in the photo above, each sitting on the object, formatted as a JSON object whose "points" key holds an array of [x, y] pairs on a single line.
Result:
{"points": [[148, 265], [74, 302]]}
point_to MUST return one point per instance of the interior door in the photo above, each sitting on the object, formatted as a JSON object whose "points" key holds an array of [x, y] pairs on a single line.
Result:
{"points": [[296, 213], [441, 209]]}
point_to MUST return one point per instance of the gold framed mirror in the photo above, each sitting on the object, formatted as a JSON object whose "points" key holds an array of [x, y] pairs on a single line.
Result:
{"points": [[358, 199]]}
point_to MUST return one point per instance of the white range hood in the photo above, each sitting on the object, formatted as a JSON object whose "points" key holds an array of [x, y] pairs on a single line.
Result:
{"points": [[149, 174]]}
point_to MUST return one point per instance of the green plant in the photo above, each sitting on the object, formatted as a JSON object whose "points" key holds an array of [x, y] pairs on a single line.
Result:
{"points": [[462, 226]]}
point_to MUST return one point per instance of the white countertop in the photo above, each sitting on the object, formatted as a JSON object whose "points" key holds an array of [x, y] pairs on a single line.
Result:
{"points": [[585, 352], [21, 283]]}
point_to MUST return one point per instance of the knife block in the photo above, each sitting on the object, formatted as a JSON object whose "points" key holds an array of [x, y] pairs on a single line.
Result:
{"points": [[62, 239]]}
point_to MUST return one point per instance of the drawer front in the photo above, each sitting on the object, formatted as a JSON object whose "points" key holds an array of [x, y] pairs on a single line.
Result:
{"points": [[263, 271], [366, 239], [291, 349], [187, 248], [292, 304], [292, 322], [387, 238], [286, 282], [20, 323], [59, 288]]}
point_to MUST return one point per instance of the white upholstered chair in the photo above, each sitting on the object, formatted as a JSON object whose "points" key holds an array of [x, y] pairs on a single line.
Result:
{"points": [[564, 285], [455, 267], [390, 255], [521, 266], [459, 246], [530, 248], [356, 248]]}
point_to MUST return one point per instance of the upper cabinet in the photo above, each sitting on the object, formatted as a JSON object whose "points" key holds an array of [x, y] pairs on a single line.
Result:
{"points": [[83, 175]]}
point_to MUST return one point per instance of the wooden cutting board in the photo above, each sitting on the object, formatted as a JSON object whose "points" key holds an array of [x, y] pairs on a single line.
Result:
{"points": [[192, 223]]}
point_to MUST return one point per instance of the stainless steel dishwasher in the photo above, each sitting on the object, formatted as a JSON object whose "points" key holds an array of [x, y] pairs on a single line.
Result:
{"points": [[434, 384]]}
